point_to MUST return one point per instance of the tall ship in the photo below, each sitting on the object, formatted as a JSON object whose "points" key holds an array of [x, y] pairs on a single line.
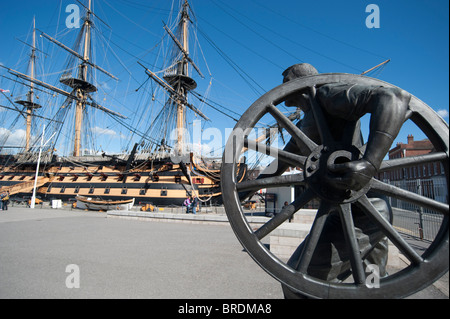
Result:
{"points": [[154, 172], [161, 165]]}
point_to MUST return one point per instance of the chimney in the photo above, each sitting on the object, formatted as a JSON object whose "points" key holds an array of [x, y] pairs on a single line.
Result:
{"points": [[410, 139]]}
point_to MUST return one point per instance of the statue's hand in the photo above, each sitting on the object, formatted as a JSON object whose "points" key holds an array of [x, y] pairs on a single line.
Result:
{"points": [[352, 175]]}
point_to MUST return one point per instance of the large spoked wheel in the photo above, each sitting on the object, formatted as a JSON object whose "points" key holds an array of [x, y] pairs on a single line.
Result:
{"points": [[423, 269]]}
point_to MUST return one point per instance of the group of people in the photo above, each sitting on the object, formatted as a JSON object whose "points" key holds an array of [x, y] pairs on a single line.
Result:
{"points": [[4, 200], [191, 204]]}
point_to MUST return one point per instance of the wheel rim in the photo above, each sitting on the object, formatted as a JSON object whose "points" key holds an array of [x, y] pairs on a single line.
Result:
{"points": [[423, 269]]}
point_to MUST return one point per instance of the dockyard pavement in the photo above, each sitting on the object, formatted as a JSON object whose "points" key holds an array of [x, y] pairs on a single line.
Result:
{"points": [[43, 252]]}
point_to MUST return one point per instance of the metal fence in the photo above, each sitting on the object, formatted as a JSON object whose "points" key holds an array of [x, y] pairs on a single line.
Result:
{"points": [[417, 221]]}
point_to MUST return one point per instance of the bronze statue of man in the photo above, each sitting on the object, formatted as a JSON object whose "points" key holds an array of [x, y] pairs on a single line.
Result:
{"points": [[342, 106]]}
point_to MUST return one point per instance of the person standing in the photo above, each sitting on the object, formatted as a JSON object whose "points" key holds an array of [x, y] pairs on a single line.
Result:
{"points": [[4, 200], [187, 203], [194, 205]]}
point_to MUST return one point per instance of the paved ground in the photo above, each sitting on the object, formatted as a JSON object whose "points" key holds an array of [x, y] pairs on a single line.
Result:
{"points": [[129, 259], [123, 259]]}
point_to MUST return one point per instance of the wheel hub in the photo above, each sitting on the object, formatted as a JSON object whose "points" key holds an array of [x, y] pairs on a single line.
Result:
{"points": [[318, 175]]}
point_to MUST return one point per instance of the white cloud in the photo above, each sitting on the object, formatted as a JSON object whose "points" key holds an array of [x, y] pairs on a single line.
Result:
{"points": [[105, 86], [443, 113], [201, 148], [103, 131], [15, 138]]}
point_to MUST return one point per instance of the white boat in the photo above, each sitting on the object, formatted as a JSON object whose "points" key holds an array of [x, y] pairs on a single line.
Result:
{"points": [[105, 205]]}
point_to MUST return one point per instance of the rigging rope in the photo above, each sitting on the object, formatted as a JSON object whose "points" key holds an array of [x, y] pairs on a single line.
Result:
{"points": [[247, 78], [246, 18]]}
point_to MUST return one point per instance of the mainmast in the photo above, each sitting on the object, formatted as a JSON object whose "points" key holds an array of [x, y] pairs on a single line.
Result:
{"points": [[82, 86], [183, 70]]}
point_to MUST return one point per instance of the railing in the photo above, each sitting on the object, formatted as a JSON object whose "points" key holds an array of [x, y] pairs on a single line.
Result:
{"points": [[417, 221]]}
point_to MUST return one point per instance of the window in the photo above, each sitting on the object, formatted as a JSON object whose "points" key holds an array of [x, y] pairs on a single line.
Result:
{"points": [[107, 189], [124, 191], [199, 180], [77, 189], [142, 192], [164, 192], [91, 190], [63, 189]]}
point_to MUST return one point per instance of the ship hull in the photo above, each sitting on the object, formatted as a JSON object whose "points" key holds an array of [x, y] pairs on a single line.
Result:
{"points": [[104, 205], [160, 183]]}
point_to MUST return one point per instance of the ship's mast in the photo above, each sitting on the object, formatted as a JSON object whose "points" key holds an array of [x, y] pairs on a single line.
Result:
{"points": [[183, 71], [81, 88], [83, 75], [31, 93], [177, 80], [29, 102]]}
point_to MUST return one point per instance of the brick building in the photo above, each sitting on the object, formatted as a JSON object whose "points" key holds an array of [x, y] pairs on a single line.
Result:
{"points": [[420, 171]]}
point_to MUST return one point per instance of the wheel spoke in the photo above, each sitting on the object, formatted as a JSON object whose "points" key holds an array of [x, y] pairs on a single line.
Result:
{"points": [[286, 213], [370, 210], [324, 131], [423, 268], [352, 242], [313, 238], [412, 161], [399, 193], [304, 143], [269, 182], [286, 157]]}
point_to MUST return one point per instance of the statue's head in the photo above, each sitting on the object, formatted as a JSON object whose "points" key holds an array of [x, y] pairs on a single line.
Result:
{"points": [[298, 71], [292, 73]]}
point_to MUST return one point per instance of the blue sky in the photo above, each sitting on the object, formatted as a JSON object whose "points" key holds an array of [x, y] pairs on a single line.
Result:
{"points": [[261, 37]]}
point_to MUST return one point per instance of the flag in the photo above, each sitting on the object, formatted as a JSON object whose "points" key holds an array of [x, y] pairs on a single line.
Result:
{"points": [[4, 91]]}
